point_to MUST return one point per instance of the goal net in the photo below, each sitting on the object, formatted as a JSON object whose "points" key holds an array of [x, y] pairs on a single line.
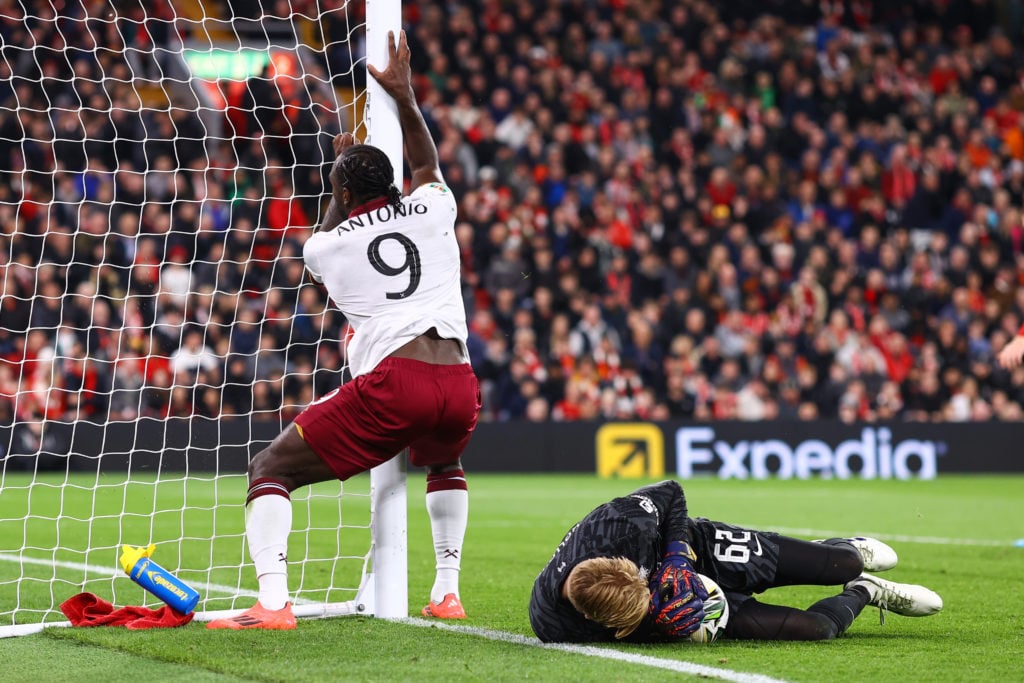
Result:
{"points": [[162, 164]]}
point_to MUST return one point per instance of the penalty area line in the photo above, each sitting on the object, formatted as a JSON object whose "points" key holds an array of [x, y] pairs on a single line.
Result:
{"points": [[675, 665]]}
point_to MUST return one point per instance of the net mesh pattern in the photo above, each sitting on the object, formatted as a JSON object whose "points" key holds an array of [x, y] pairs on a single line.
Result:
{"points": [[160, 166]]}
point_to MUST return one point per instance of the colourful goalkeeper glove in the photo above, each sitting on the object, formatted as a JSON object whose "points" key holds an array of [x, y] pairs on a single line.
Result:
{"points": [[677, 595]]}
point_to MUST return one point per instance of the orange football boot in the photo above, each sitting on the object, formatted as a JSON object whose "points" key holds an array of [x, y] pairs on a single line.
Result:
{"points": [[449, 608], [259, 616]]}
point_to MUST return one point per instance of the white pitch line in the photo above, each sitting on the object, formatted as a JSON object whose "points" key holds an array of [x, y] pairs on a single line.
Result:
{"points": [[675, 665], [107, 572], [929, 540]]}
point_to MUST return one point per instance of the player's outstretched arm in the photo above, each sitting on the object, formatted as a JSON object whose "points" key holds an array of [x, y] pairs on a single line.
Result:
{"points": [[396, 80], [1010, 356]]}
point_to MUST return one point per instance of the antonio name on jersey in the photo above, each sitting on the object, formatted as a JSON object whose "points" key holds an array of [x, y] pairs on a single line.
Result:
{"points": [[381, 215]]}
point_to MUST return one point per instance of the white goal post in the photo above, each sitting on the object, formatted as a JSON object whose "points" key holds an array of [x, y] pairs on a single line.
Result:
{"points": [[136, 281], [390, 560]]}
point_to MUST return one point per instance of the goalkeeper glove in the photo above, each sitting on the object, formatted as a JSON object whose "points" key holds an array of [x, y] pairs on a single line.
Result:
{"points": [[677, 595]]}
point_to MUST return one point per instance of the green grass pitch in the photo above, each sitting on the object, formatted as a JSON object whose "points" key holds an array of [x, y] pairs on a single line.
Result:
{"points": [[955, 535]]}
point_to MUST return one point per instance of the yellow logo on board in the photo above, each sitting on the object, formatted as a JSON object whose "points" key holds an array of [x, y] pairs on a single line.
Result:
{"points": [[630, 450]]}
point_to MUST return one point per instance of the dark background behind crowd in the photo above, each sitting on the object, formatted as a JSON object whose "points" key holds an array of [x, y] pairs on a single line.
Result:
{"points": [[693, 209]]}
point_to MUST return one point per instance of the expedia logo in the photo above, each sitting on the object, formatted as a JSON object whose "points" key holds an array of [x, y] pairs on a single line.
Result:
{"points": [[159, 580], [875, 455]]}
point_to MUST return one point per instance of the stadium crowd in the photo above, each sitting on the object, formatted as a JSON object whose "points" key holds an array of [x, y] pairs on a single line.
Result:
{"points": [[691, 209]]}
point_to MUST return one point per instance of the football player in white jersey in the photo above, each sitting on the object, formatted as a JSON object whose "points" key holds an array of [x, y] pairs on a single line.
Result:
{"points": [[391, 264]]}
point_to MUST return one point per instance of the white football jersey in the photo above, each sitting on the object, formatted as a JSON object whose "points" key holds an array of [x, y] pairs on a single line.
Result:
{"points": [[394, 273]]}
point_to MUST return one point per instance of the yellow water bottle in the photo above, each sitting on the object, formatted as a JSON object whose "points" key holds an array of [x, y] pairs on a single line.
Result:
{"points": [[144, 571]]}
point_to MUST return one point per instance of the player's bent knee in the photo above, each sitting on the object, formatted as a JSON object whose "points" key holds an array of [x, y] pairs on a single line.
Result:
{"points": [[273, 462], [449, 467], [848, 563], [290, 461], [262, 466]]}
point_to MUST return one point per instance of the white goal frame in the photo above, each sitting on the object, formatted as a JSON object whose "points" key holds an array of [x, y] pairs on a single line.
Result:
{"points": [[389, 580], [384, 586]]}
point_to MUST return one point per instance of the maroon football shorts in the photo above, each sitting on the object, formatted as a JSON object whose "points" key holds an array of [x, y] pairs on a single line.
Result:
{"points": [[431, 409]]}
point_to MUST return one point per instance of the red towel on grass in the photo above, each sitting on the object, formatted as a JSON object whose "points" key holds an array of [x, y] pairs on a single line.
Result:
{"points": [[86, 609]]}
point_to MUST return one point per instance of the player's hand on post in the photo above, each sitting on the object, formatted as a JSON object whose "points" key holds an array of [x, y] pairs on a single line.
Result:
{"points": [[343, 141], [677, 595], [396, 78]]}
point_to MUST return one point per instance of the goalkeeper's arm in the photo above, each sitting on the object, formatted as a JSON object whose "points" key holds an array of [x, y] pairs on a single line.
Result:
{"points": [[670, 502], [677, 595]]}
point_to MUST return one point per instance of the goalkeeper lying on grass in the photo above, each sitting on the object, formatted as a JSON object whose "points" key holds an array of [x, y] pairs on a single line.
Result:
{"points": [[628, 571]]}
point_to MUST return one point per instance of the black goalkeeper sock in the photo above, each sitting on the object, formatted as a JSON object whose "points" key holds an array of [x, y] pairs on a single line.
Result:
{"points": [[842, 609]]}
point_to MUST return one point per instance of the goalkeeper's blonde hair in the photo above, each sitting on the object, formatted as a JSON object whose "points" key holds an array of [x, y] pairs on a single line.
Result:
{"points": [[611, 591]]}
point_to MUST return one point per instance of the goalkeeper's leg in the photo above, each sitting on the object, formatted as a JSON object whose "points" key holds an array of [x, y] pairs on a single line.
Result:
{"points": [[817, 564], [824, 620]]}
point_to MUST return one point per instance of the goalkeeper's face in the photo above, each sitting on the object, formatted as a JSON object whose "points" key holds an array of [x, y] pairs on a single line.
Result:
{"points": [[612, 591]]}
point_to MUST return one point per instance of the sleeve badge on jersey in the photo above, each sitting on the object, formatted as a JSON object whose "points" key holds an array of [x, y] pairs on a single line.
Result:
{"points": [[647, 504], [439, 187]]}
